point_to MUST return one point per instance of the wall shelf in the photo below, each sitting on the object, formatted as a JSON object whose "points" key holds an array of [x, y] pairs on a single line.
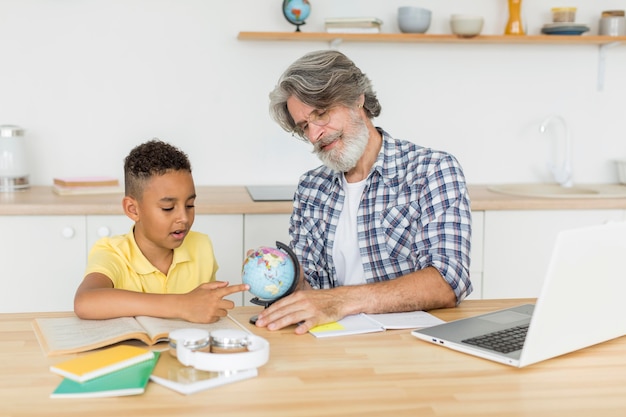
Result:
{"points": [[424, 38], [334, 39]]}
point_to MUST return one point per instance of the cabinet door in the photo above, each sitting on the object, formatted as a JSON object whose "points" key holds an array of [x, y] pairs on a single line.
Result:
{"points": [[226, 233], [104, 226], [476, 266], [43, 259], [264, 230], [518, 246]]}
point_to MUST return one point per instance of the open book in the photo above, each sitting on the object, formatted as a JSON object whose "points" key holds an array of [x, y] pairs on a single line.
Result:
{"points": [[63, 335], [369, 323]]}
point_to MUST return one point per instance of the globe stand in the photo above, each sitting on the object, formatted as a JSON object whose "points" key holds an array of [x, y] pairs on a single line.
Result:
{"points": [[292, 288]]}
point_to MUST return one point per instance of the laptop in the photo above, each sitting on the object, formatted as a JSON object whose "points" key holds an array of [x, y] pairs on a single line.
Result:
{"points": [[580, 304]]}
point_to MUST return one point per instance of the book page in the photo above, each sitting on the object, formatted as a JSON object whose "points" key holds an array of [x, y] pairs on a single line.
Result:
{"points": [[64, 335], [354, 324], [158, 328], [408, 320]]}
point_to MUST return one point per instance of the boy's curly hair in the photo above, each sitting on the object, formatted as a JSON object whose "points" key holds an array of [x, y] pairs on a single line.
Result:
{"points": [[150, 159]]}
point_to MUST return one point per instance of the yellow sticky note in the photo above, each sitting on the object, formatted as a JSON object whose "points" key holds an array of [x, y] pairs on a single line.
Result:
{"points": [[327, 327]]}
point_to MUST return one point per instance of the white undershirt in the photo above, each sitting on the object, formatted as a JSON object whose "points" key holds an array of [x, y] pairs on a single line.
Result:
{"points": [[346, 246]]}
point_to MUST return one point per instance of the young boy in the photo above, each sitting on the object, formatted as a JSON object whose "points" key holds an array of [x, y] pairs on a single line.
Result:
{"points": [[160, 268]]}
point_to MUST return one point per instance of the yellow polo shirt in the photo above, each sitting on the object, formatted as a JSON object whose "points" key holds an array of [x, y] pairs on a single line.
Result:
{"points": [[120, 259]]}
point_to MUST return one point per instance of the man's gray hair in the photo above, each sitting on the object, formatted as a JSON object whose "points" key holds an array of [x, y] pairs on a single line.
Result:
{"points": [[322, 79]]}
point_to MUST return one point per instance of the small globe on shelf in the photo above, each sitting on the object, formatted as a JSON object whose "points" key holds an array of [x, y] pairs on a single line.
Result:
{"points": [[296, 12], [272, 273]]}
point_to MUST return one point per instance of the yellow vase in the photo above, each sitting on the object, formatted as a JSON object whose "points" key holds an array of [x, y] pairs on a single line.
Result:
{"points": [[514, 25]]}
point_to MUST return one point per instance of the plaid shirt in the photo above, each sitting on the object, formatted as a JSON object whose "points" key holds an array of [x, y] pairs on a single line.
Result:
{"points": [[414, 213]]}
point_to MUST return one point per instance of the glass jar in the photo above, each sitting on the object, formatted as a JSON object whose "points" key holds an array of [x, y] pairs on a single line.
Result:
{"points": [[193, 339], [612, 23], [229, 341], [13, 162]]}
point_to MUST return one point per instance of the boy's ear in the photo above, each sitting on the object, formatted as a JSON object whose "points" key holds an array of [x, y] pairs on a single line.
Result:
{"points": [[131, 208]]}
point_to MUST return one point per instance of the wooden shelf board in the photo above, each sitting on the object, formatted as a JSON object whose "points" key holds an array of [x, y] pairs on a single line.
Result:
{"points": [[424, 38]]}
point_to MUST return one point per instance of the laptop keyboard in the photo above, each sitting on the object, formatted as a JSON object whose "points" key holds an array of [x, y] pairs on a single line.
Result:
{"points": [[505, 341]]}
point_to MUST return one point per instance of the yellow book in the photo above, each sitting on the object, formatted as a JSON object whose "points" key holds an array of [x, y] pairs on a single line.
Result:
{"points": [[92, 365]]}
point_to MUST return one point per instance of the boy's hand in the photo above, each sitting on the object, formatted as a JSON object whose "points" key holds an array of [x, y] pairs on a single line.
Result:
{"points": [[206, 304]]}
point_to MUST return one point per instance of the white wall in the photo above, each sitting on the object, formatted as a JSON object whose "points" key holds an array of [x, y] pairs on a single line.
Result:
{"points": [[90, 79]]}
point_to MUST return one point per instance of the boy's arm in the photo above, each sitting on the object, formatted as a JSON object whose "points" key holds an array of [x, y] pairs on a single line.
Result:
{"points": [[97, 299]]}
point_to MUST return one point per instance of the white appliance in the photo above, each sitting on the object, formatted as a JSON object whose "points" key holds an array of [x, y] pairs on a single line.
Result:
{"points": [[13, 162]]}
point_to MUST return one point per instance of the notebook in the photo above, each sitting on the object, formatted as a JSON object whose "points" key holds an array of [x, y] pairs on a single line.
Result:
{"points": [[580, 304]]}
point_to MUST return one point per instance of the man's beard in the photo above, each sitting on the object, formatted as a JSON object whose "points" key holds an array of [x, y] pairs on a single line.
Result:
{"points": [[344, 157]]}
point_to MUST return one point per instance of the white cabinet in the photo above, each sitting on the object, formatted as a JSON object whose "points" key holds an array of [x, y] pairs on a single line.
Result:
{"points": [[476, 266], [518, 246], [43, 259], [226, 233], [99, 226]]}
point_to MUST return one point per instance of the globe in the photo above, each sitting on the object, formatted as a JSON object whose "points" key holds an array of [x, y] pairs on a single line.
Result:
{"points": [[271, 273], [296, 12]]}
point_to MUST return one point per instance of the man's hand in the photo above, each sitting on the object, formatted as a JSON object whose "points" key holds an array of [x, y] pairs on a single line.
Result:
{"points": [[307, 308]]}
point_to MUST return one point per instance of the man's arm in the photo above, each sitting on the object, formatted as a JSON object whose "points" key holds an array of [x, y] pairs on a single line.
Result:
{"points": [[97, 299], [420, 290]]}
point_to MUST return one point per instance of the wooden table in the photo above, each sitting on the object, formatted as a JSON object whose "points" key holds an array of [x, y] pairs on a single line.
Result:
{"points": [[378, 374]]}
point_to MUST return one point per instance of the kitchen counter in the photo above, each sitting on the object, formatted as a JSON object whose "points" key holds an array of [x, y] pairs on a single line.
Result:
{"points": [[40, 200]]}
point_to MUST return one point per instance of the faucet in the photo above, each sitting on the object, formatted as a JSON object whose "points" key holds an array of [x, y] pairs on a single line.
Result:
{"points": [[562, 174]]}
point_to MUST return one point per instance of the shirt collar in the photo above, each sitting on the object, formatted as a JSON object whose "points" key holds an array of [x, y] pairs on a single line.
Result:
{"points": [[142, 265]]}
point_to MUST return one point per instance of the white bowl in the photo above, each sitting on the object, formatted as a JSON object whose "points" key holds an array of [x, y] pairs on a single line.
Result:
{"points": [[465, 25], [413, 19]]}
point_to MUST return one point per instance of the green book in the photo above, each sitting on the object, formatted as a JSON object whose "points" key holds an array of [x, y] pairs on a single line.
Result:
{"points": [[128, 381]]}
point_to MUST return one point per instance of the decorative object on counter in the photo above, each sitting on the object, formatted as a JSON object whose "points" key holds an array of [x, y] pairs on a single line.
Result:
{"points": [[564, 28], [563, 14], [271, 273], [13, 161], [621, 171], [296, 12], [562, 174], [612, 23], [352, 25], [514, 25], [466, 26], [413, 19]]}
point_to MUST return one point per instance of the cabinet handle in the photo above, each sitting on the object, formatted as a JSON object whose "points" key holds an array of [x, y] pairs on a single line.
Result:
{"points": [[104, 231], [68, 232]]}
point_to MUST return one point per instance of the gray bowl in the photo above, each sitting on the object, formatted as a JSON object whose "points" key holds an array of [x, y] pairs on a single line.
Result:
{"points": [[413, 19]]}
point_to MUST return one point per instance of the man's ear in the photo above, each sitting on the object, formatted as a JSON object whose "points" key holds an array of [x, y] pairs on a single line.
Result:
{"points": [[131, 208]]}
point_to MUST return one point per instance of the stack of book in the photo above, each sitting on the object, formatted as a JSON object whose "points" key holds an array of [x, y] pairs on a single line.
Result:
{"points": [[86, 185], [116, 371], [124, 369], [352, 25]]}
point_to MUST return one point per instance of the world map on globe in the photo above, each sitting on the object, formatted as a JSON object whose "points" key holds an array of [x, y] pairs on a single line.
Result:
{"points": [[296, 11], [269, 272]]}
